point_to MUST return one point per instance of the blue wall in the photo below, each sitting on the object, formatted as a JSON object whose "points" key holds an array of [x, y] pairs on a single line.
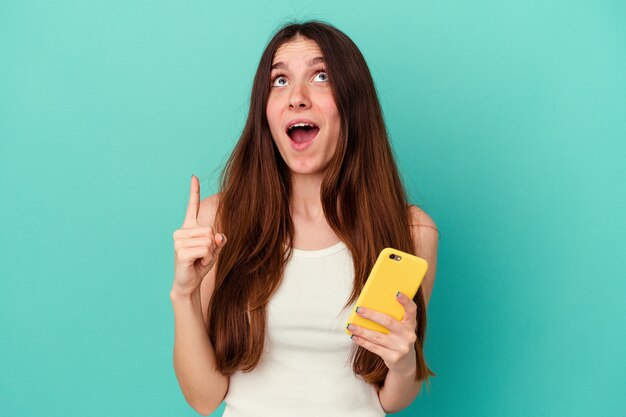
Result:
{"points": [[508, 119]]}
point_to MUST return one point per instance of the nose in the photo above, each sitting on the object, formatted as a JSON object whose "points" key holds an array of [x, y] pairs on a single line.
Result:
{"points": [[299, 97]]}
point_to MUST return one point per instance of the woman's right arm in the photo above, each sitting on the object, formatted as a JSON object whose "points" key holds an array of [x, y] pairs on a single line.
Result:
{"points": [[203, 386], [196, 250]]}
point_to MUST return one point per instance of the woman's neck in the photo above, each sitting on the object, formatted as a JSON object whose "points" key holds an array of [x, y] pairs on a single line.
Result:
{"points": [[305, 196], [311, 230]]}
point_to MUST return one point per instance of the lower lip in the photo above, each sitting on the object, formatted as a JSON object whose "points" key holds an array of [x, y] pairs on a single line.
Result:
{"points": [[302, 146]]}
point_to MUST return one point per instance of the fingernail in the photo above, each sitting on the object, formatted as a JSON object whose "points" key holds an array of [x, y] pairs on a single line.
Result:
{"points": [[398, 294], [359, 312]]}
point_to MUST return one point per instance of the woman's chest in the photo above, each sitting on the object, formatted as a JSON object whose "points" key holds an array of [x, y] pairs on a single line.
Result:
{"points": [[308, 307]]}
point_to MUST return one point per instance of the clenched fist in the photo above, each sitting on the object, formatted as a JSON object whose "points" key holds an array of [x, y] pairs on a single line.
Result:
{"points": [[195, 247]]}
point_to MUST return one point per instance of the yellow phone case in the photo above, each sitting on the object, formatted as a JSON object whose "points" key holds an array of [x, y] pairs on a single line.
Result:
{"points": [[393, 271]]}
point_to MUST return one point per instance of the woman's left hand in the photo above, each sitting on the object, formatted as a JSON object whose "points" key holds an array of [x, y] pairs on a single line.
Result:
{"points": [[396, 348]]}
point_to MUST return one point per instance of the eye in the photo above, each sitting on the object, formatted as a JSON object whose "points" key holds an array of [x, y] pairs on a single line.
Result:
{"points": [[323, 73], [276, 79]]}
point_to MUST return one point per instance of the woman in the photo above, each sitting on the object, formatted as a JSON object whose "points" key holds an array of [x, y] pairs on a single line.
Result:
{"points": [[268, 270]]}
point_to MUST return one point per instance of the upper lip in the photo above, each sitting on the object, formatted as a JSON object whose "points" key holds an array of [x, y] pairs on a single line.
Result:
{"points": [[300, 120]]}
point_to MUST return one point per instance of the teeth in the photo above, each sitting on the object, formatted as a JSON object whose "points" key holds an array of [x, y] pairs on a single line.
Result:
{"points": [[300, 125]]}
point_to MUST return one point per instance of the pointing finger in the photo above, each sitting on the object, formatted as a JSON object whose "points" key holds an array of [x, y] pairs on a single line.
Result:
{"points": [[194, 203]]}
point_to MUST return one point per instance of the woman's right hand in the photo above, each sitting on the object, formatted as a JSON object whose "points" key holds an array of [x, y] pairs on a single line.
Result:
{"points": [[195, 247]]}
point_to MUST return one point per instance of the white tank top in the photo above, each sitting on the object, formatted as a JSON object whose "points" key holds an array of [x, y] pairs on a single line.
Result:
{"points": [[304, 369]]}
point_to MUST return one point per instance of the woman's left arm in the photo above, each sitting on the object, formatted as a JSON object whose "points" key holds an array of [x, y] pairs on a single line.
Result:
{"points": [[397, 348]]}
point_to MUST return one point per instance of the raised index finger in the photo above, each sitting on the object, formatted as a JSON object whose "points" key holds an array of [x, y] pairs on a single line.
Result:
{"points": [[194, 203]]}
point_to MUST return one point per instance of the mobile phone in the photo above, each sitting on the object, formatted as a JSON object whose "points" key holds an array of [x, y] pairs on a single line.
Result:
{"points": [[393, 271]]}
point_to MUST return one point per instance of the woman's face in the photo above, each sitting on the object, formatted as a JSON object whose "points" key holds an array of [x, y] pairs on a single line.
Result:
{"points": [[300, 92]]}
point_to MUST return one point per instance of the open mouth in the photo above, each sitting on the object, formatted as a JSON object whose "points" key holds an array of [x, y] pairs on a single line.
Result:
{"points": [[302, 132]]}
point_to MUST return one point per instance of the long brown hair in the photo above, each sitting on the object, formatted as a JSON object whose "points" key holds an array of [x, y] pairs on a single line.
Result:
{"points": [[362, 195]]}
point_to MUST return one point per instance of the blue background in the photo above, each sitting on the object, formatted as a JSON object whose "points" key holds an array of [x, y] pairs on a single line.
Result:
{"points": [[508, 120]]}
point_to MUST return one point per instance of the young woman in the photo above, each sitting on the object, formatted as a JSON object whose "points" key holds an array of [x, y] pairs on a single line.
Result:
{"points": [[267, 270]]}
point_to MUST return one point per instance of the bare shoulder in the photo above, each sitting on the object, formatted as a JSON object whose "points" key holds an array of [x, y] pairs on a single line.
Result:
{"points": [[420, 218], [425, 236], [208, 209]]}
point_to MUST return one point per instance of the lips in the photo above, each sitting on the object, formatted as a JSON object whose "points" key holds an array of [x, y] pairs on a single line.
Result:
{"points": [[299, 120], [301, 131]]}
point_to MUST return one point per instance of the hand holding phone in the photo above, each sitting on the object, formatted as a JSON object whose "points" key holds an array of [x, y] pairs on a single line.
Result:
{"points": [[393, 271]]}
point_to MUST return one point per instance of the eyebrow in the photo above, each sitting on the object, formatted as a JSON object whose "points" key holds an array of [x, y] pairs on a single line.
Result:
{"points": [[312, 62]]}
